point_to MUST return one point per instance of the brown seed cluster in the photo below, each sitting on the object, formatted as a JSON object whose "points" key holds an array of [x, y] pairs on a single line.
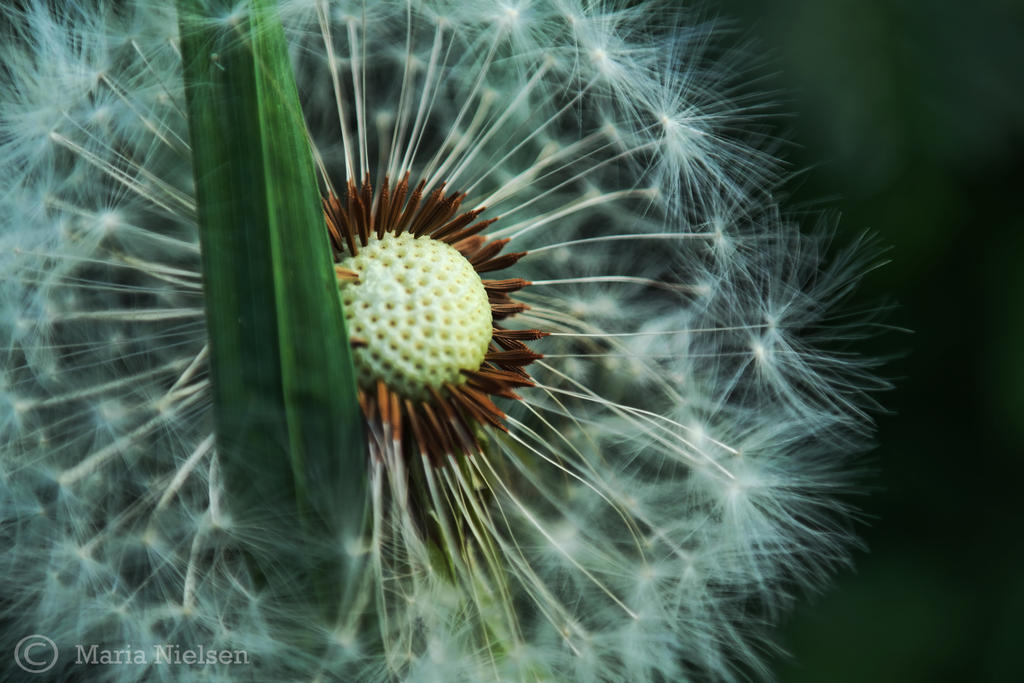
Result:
{"points": [[446, 422]]}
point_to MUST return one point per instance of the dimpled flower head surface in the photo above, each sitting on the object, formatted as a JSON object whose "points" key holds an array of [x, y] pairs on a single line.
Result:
{"points": [[607, 386]]}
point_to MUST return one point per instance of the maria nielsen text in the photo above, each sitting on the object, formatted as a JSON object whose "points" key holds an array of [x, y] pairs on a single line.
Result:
{"points": [[159, 654]]}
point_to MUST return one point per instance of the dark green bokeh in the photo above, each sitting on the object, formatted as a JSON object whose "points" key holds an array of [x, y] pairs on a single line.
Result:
{"points": [[911, 114]]}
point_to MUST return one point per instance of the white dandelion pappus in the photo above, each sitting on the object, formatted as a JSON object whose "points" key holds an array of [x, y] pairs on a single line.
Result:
{"points": [[644, 457]]}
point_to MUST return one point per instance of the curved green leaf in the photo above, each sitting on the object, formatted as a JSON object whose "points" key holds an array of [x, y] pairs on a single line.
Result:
{"points": [[289, 426]]}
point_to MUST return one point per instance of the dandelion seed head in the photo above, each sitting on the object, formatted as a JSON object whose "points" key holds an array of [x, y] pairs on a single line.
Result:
{"points": [[632, 471]]}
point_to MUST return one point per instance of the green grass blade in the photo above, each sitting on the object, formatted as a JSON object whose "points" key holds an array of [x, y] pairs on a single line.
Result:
{"points": [[289, 427]]}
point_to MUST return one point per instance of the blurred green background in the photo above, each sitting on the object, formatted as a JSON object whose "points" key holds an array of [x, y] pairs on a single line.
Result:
{"points": [[911, 119]]}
